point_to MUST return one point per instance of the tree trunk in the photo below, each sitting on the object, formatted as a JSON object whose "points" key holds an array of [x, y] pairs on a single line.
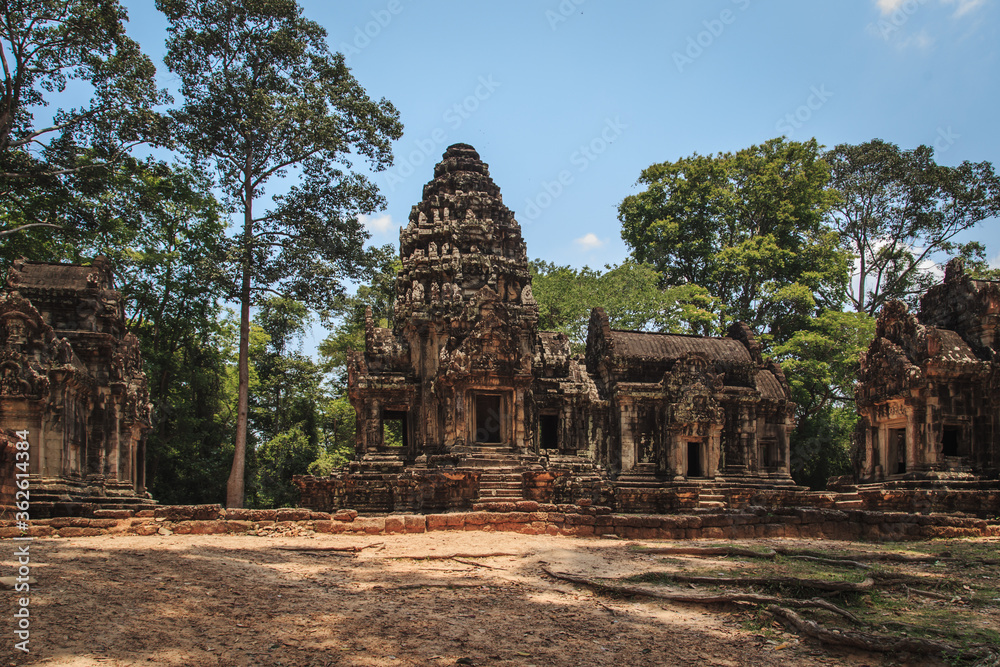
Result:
{"points": [[235, 485]]}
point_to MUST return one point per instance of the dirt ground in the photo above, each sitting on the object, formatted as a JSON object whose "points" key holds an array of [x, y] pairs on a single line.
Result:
{"points": [[243, 600]]}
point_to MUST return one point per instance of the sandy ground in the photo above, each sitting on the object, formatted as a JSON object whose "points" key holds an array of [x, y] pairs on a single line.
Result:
{"points": [[241, 600]]}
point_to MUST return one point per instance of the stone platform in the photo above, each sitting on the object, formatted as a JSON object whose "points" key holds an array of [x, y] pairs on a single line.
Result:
{"points": [[526, 517]]}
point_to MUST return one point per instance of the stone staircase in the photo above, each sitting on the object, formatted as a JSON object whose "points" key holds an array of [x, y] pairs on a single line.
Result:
{"points": [[708, 500], [849, 500], [501, 470]]}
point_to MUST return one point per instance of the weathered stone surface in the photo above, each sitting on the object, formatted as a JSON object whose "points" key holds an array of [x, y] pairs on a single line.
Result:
{"points": [[929, 396], [71, 376]]}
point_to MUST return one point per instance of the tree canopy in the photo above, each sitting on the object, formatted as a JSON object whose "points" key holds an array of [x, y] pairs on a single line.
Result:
{"points": [[897, 210], [55, 163], [748, 227]]}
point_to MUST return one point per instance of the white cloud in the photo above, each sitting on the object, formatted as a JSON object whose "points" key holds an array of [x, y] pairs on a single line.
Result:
{"points": [[965, 6], [889, 6], [589, 242], [907, 7], [381, 224]]}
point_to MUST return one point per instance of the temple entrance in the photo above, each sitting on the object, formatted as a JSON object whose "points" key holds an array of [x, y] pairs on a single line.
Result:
{"points": [[488, 419], [548, 431], [949, 441], [694, 462]]}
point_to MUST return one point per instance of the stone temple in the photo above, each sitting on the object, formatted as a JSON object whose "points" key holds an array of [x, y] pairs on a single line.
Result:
{"points": [[464, 399], [929, 389], [72, 378]]}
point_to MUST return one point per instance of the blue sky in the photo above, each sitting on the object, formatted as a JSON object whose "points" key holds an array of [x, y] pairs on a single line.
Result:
{"points": [[568, 100]]}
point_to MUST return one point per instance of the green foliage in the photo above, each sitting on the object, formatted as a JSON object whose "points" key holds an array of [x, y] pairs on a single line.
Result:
{"points": [[337, 417], [190, 447], [899, 210], [629, 293], [288, 453], [748, 227], [821, 362], [56, 166]]}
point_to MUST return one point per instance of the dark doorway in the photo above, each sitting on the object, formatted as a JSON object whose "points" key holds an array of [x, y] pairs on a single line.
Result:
{"points": [[394, 431], [897, 450], [694, 460], [548, 431], [949, 441], [768, 455], [488, 419]]}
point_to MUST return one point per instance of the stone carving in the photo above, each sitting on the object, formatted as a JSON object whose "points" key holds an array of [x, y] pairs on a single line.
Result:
{"points": [[77, 386], [926, 391]]}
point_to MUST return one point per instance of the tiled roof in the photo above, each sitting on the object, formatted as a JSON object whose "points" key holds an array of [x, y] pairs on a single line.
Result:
{"points": [[672, 346]]}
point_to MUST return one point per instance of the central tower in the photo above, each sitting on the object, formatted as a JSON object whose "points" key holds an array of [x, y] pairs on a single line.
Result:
{"points": [[465, 322]]}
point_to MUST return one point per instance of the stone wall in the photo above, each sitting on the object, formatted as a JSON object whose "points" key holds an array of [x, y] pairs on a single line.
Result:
{"points": [[526, 517], [429, 491]]}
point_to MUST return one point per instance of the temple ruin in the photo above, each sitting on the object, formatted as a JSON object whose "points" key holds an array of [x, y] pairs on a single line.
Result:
{"points": [[465, 399], [71, 376], [929, 389]]}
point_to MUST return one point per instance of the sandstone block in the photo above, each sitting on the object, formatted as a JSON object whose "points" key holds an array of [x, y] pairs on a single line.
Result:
{"points": [[415, 523]]}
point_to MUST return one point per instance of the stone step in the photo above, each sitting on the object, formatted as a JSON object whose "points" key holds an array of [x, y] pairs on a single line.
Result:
{"points": [[711, 504], [849, 504], [498, 494], [501, 476]]}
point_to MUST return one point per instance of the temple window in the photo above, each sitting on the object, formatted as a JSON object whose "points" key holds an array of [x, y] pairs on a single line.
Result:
{"points": [[394, 428]]}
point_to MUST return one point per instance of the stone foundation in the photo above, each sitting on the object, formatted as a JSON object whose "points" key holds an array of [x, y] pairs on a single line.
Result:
{"points": [[526, 517]]}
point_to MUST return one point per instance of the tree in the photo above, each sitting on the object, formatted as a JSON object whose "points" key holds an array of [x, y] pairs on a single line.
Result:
{"points": [[897, 210], [52, 168], [263, 95], [821, 362], [748, 227], [629, 293]]}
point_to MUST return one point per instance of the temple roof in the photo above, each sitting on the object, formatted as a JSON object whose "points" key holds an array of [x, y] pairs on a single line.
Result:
{"points": [[664, 347], [44, 275]]}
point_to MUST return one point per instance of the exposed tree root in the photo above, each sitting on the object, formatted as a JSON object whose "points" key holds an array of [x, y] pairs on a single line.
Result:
{"points": [[335, 551], [454, 556], [700, 599], [839, 562], [930, 594], [871, 642], [473, 563], [711, 551], [853, 560], [887, 556], [815, 584]]}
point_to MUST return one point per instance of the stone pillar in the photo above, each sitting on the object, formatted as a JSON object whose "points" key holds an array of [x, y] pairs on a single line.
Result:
{"points": [[913, 457], [714, 453], [883, 451], [627, 418]]}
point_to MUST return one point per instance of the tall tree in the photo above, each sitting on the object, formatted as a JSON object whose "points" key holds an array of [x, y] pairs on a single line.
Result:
{"points": [[747, 226], [54, 164], [898, 210], [264, 95]]}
